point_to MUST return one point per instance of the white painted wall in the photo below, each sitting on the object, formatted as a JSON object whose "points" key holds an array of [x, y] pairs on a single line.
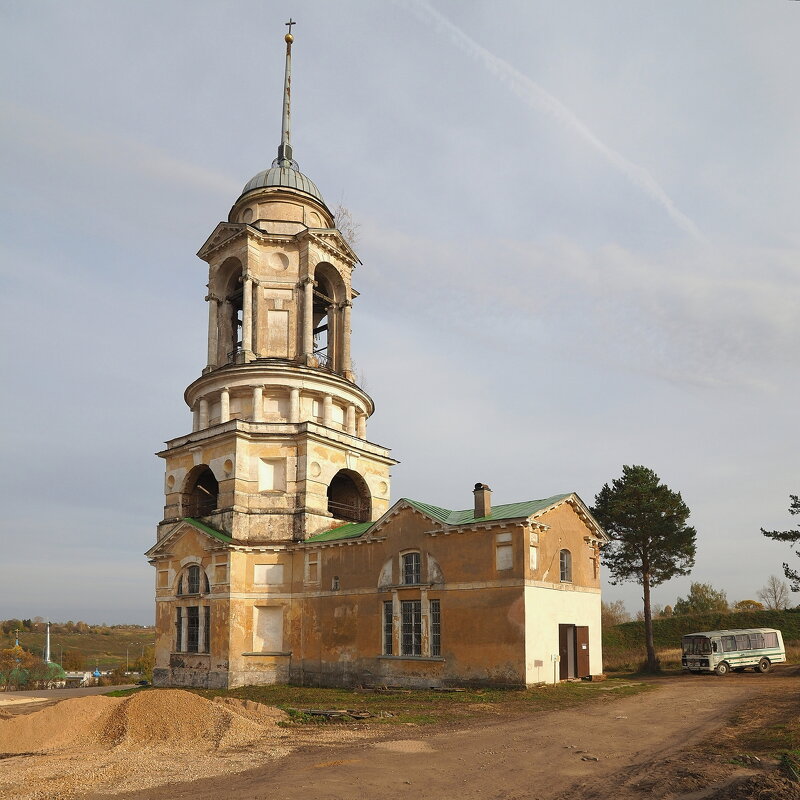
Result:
{"points": [[545, 610]]}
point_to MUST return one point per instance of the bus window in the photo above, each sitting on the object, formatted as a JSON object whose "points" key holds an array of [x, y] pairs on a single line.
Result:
{"points": [[742, 641], [771, 639], [728, 643], [757, 641]]}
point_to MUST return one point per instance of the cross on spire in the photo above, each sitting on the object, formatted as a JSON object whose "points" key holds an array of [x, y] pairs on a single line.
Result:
{"points": [[290, 23]]}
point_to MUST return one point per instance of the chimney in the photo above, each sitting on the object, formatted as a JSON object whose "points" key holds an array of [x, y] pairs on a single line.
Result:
{"points": [[483, 500]]}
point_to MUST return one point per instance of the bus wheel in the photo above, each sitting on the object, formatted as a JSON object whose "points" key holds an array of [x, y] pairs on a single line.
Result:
{"points": [[722, 668], [764, 665]]}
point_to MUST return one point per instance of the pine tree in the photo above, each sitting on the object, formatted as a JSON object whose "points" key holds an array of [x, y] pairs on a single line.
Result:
{"points": [[650, 540], [789, 536]]}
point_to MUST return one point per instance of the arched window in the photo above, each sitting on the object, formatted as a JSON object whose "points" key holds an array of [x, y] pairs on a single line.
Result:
{"points": [[193, 616], [565, 566], [201, 492], [349, 497], [192, 579]]}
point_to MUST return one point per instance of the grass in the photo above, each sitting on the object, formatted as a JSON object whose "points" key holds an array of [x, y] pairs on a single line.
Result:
{"points": [[105, 646], [421, 707]]}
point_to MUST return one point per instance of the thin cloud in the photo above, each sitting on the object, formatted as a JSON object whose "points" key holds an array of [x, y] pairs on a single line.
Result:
{"points": [[541, 100], [52, 138]]}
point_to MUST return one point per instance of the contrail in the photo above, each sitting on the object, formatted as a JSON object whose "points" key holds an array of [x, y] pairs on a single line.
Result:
{"points": [[540, 99]]}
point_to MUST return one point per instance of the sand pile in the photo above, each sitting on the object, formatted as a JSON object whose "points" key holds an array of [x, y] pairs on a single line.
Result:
{"points": [[169, 718]]}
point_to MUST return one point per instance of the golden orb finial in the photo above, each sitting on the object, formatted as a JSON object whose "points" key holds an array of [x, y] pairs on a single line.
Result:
{"points": [[288, 38]]}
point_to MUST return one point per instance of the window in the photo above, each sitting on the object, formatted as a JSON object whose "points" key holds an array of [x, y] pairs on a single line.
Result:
{"points": [[190, 581], [178, 629], [207, 629], [771, 639], [742, 641], [335, 583], [436, 629], [728, 644], [388, 634], [757, 641], [193, 580], [411, 627], [565, 565], [312, 567], [412, 568], [192, 629]]}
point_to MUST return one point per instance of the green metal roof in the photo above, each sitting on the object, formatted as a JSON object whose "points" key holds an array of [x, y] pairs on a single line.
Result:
{"points": [[508, 511], [201, 526], [349, 531]]}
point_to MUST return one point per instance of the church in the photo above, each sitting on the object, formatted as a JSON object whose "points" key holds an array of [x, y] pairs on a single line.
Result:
{"points": [[280, 556]]}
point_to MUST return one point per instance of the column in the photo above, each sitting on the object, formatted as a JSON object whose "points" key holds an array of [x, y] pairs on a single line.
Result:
{"points": [[347, 366], [196, 417], [213, 329], [327, 405], [294, 405], [258, 404], [247, 316], [362, 426], [224, 405], [308, 318], [350, 420], [203, 414]]}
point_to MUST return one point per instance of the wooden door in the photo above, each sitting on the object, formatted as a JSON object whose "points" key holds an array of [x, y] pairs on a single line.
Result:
{"points": [[582, 651], [566, 639]]}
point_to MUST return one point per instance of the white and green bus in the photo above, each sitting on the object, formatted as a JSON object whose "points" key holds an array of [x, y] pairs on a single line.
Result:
{"points": [[723, 651]]}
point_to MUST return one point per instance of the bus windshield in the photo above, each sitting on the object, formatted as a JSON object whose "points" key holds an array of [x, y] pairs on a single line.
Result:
{"points": [[696, 645]]}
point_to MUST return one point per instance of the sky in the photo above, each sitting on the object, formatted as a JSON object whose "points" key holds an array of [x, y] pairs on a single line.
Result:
{"points": [[578, 229]]}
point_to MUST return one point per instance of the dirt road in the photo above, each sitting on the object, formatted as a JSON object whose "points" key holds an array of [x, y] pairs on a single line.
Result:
{"points": [[651, 744]]}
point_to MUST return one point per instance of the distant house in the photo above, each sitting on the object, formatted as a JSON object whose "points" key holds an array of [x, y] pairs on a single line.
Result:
{"points": [[73, 680]]}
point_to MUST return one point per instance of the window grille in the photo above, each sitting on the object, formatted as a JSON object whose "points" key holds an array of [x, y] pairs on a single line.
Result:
{"points": [[412, 568], [193, 580], [207, 629], [565, 564], [411, 628], [436, 629], [388, 644], [192, 629], [178, 630]]}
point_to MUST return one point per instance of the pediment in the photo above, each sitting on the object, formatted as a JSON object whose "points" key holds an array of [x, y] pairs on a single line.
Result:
{"points": [[202, 536], [223, 233]]}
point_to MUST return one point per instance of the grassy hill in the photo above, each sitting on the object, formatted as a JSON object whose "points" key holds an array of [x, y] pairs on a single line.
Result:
{"points": [[104, 645], [623, 645]]}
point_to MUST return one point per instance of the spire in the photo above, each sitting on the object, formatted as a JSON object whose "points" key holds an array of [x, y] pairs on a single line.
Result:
{"points": [[284, 158], [47, 645]]}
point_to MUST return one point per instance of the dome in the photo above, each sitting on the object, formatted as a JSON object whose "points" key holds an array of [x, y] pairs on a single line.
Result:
{"points": [[285, 177]]}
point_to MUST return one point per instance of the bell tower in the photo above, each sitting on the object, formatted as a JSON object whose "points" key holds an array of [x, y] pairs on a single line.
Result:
{"points": [[278, 449]]}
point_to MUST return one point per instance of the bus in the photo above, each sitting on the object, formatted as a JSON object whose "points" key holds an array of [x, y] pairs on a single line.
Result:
{"points": [[723, 651]]}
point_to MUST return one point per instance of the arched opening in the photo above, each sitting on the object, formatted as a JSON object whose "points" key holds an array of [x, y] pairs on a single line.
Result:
{"points": [[329, 292], [231, 291], [201, 492], [349, 498]]}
